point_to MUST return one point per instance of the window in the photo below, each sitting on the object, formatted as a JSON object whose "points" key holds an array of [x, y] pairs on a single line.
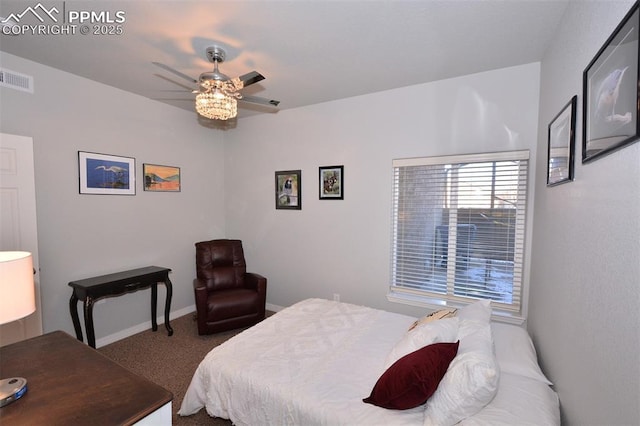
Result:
{"points": [[459, 229]]}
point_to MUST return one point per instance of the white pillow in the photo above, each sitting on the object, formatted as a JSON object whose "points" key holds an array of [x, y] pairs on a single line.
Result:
{"points": [[479, 310], [444, 330], [471, 381], [515, 352]]}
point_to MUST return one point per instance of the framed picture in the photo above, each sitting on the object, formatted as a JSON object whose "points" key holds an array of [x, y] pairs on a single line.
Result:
{"points": [[611, 101], [561, 149], [161, 178], [106, 174], [331, 183], [289, 190]]}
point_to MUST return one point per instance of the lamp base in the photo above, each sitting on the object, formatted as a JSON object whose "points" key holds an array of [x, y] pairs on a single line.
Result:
{"points": [[12, 389]]}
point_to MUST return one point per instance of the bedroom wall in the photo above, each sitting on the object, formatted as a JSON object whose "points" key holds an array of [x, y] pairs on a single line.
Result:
{"points": [[343, 247], [86, 235], [585, 292]]}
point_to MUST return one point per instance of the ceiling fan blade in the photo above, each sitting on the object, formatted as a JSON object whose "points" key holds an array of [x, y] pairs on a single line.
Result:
{"points": [[189, 89], [176, 72], [250, 78], [258, 100]]}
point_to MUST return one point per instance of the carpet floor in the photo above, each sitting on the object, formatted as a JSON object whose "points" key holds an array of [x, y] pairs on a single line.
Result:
{"points": [[170, 361]]}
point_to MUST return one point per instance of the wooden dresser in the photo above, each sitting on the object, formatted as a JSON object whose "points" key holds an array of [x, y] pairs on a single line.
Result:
{"points": [[70, 383]]}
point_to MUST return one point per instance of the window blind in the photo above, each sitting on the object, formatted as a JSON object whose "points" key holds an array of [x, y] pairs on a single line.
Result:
{"points": [[459, 227]]}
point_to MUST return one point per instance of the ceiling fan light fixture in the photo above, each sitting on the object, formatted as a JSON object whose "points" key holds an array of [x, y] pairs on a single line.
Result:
{"points": [[216, 105], [216, 94], [229, 87]]}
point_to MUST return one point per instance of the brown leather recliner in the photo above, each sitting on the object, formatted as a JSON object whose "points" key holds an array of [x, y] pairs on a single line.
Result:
{"points": [[227, 296]]}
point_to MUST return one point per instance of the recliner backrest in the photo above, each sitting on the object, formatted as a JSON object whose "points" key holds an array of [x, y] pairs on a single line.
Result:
{"points": [[221, 264]]}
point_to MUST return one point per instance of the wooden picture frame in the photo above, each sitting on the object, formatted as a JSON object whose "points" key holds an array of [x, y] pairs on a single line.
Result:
{"points": [[105, 174], [159, 178], [331, 183], [611, 86], [288, 190], [561, 145]]}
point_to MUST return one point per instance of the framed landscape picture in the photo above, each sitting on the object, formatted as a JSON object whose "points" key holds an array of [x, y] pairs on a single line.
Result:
{"points": [[289, 190], [161, 178], [331, 182], [106, 174], [561, 148], [611, 85]]}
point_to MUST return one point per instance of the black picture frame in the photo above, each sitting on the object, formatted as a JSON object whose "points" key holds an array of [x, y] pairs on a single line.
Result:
{"points": [[331, 182], [289, 190], [611, 92], [106, 174], [561, 145]]}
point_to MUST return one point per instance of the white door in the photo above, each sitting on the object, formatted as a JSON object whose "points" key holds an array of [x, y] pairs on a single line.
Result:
{"points": [[18, 226]]}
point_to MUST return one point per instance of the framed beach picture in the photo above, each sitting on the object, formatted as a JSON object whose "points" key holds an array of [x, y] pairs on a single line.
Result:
{"points": [[106, 174], [289, 190], [159, 178], [331, 182], [611, 85], [561, 148]]}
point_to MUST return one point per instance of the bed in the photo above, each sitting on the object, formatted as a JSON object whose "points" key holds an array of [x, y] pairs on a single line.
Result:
{"points": [[315, 362]]}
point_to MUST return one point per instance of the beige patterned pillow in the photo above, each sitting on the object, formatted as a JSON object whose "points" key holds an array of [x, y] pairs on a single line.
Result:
{"points": [[433, 316]]}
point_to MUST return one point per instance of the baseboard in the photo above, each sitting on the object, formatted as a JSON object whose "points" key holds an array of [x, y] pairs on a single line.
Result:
{"points": [[147, 325], [142, 327], [273, 308]]}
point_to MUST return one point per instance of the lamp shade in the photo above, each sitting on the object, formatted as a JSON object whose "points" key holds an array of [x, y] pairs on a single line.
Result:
{"points": [[17, 290]]}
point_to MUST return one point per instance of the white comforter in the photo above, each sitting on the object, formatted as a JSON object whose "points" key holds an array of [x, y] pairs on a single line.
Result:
{"points": [[312, 364]]}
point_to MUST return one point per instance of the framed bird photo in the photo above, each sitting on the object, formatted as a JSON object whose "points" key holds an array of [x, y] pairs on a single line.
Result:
{"points": [[331, 183], [289, 190], [106, 174], [611, 84]]}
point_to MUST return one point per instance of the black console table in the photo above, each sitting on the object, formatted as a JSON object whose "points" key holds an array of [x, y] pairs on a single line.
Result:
{"points": [[91, 289]]}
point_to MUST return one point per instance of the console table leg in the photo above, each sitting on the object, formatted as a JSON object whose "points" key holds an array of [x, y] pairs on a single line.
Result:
{"points": [[167, 305], [88, 322], [154, 309], [73, 307]]}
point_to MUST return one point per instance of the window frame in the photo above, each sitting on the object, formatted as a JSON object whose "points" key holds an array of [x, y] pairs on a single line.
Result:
{"points": [[415, 297]]}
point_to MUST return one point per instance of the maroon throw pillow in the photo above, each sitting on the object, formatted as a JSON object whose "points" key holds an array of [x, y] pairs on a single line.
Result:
{"points": [[412, 379]]}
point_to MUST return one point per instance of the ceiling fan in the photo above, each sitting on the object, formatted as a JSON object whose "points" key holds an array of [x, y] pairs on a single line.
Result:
{"points": [[216, 93]]}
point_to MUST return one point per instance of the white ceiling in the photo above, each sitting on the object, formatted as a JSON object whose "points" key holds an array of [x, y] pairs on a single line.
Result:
{"points": [[309, 51]]}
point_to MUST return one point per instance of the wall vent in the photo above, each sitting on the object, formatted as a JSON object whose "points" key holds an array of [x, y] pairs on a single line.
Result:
{"points": [[15, 80]]}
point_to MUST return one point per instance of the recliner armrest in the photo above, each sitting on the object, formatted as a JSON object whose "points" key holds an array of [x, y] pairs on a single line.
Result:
{"points": [[255, 281], [199, 285], [200, 290]]}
